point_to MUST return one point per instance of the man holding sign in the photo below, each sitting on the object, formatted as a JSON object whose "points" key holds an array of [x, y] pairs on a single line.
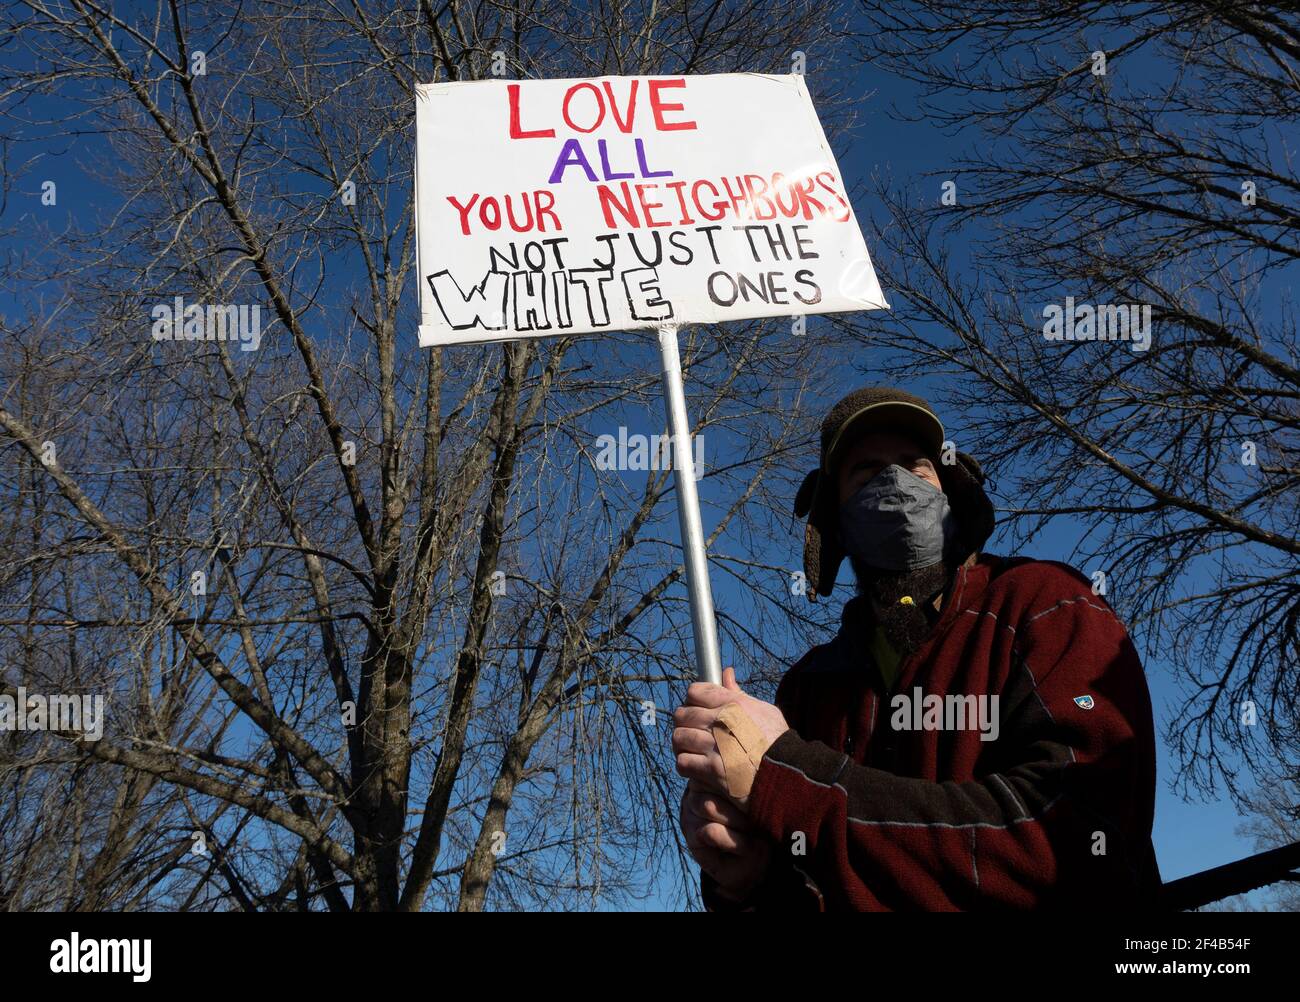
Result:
{"points": [[978, 735], [565, 207]]}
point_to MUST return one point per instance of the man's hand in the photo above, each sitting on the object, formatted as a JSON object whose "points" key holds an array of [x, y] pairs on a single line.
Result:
{"points": [[718, 836], [698, 758]]}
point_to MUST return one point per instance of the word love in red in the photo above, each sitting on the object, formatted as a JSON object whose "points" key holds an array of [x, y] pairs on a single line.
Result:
{"points": [[586, 106]]}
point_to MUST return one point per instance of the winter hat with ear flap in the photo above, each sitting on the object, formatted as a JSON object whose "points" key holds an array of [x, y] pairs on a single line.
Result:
{"points": [[884, 409]]}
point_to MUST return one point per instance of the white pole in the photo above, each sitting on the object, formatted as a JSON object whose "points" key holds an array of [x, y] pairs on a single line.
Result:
{"points": [[707, 661]]}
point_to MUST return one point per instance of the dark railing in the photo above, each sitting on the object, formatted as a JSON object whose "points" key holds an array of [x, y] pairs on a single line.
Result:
{"points": [[1232, 878]]}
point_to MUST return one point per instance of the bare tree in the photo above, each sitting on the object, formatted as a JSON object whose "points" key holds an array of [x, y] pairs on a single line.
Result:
{"points": [[1140, 156], [376, 631], [1273, 823]]}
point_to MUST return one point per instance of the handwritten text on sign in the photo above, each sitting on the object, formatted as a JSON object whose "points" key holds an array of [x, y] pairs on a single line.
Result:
{"points": [[550, 207]]}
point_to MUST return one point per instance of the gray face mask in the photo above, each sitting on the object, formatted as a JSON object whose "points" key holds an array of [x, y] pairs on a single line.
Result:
{"points": [[897, 522]]}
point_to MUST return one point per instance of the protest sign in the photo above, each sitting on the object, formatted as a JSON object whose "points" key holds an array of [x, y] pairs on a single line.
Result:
{"points": [[548, 207]]}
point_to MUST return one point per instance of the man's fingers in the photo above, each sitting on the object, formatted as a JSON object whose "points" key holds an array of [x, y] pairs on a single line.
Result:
{"points": [[706, 769], [687, 739], [709, 695], [720, 838], [694, 716], [711, 861], [709, 806]]}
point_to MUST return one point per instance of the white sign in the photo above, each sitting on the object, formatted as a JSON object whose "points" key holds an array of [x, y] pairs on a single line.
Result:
{"points": [[547, 207]]}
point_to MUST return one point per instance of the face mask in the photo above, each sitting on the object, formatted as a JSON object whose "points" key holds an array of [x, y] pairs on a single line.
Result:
{"points": [[897, 522]]}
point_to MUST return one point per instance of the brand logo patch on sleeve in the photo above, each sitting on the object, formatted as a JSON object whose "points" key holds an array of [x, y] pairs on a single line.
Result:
{"points": [[1084, 702]]}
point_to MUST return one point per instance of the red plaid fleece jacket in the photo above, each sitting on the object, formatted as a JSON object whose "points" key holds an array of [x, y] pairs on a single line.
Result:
{"points": [[1054, 813]]}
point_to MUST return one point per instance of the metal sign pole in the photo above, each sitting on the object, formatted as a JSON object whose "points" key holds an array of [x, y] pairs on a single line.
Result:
{"points": [[707, 660]]}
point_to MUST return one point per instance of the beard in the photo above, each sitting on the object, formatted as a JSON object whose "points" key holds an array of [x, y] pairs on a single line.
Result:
{"points": [[905, 626]]}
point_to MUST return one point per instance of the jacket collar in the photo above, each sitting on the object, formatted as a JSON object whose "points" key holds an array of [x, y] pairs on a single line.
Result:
{"points": [[857, 621], [969, 583]]}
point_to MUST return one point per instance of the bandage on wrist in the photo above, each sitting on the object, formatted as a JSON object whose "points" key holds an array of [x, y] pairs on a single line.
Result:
{"points": [[741, 745]]}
